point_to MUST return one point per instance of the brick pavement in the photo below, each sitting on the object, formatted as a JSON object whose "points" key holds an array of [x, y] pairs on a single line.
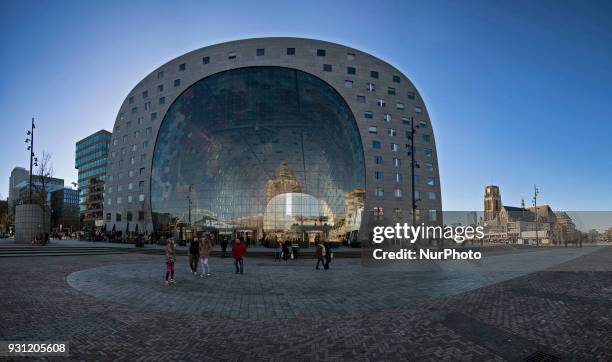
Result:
{"points": [[564, 313]]}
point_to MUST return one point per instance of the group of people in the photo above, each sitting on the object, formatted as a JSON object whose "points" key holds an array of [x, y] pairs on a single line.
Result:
{"points": [[199, 251]]}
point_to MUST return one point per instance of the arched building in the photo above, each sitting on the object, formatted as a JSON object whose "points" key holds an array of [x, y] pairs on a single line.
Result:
{"points": [[282, 137]]}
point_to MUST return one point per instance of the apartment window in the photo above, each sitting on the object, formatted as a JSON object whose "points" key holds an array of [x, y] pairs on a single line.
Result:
{"points": [[400, 106], [129, 216], [406, 120], [136, 134], [396, 79], [394, 147], [145, 144], [177, 82], [320, 52], [411, 95], [372, 129], [153, 116], [131, 100], [140, 120], [120, 187], [260, 52], [398, 177], [290, 51], [160, 74], [119, 200], [418, 110], [361, 99], [206, 60], [432, 195], [231, 55], [141, 186], [391, 91], [147, 105], [182, 67], [125, 138], [350, 56], [142, 170], [380, 102], [351, 70], [327, 67], [148, 130], [368, 114], [379, 192], [397, 193], [422, 124], [431, 181], [134, 110], [429, 167], [378, 160], [348, 83], [132, 160], [416, 179], [417, 195], [143, 156], [374, 74], [378, 175], [160, 88], [129, 199], [387, 117], [428, 152], [130, 173], [145, 94], [371, 87], [117, 217], [141, 199], [397, 162], [433, 215], [376, 144], [392, 132], [110, 190], [108, 216], [426, 138]]}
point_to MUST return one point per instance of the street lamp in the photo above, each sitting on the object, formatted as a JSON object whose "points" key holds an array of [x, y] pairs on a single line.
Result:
{"points": [[33, 159]]}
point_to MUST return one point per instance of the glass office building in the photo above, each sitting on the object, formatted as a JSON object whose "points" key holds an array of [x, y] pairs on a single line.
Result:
{"points": [[272, 138]]}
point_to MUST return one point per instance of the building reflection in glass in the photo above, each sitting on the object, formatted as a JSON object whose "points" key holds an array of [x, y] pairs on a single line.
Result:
{"points": [[270, 152]]}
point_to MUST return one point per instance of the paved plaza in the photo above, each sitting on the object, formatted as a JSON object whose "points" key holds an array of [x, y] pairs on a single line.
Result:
{"points": [[510, 306]]}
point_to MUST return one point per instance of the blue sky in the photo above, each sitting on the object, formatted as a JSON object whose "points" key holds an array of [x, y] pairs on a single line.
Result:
{"points": [[519, 92]]}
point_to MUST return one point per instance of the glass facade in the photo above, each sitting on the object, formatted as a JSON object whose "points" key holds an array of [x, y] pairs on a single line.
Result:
{"points": [[271, 152]]}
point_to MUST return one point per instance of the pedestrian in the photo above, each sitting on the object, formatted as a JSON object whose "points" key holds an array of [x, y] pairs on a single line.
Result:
{"points": [[205, 249], [170, 259], [279, 251], [238, 251], [194, 255], [286, 250], [328, 255], [320, 253], [224, 243]]}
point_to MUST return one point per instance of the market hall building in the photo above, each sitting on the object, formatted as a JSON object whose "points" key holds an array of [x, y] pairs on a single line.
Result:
{"points": [[272, 139]]}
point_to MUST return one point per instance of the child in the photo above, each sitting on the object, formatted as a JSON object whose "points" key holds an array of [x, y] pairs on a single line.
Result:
{"points": [[170, 259], [238, 251]]}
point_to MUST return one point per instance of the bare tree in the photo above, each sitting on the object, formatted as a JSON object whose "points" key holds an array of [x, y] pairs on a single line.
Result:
{"points": [[44, 172]]}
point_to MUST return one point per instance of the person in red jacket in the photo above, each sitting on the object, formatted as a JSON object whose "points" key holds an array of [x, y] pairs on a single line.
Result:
{"points": [[238, 251]]}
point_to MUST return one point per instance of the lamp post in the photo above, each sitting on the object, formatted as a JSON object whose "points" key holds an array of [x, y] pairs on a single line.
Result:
{"points": [[33, 160], [413, 165], [536, 191]]}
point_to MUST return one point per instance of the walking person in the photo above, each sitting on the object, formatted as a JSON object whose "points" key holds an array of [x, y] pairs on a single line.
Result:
{"points": [[194, 255], [286, 250], [224, 243], [279, 251], [205, 250], [328, 255], [238, 251], [170, 259], [320, 253]]}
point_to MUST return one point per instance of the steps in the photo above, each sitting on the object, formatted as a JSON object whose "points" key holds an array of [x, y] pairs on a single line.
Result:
{"points": [[52, 250]]}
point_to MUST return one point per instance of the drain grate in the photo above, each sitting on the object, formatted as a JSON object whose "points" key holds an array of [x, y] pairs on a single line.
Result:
{"points": [[540, 356]]}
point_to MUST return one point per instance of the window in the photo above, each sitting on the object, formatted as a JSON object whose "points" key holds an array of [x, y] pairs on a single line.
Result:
{"points": [[378, 175], [130, 186], [125, 138], [131, 100], [406, 120], [422, 124], [379, 192], [147, 105], [145, 94], [416, 179], [141, 186], [145, 144], [143, 156], [148, 130], [432, 195], [433, 215], [374, 74], [141, 199], [206, 60], [160, 88], [368, 114], [380, 102], [129, 216], [396, 79], [372, 129], [348, 83], [376, 144], [400, 106], [411, 95], [397, 193], [397, 162], [327, 67], [398, 177], [361, 99], [429, 167], [129, 199], [177, 82], [160, 74], [378, 213], [260, 52], [134, 110], [428, 152], [417, 195], [117, 217], [426, 138], [350, 56], [371, 87], [130, 173], [119, 200], [418, 110], [136, 134], [378, 160], [392, 132], [394, 147], [142, 170], [387, 117], [231, 55], [398, 213], [351, 70], [108, 216], [182, 67], [431, 181], [320, 52], [162, 100], [140, 120], [290, 51], [153, 116], [391, 91]]}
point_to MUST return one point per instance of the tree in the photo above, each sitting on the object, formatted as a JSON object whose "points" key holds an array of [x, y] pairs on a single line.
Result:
{"points": [[41, 187]]}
